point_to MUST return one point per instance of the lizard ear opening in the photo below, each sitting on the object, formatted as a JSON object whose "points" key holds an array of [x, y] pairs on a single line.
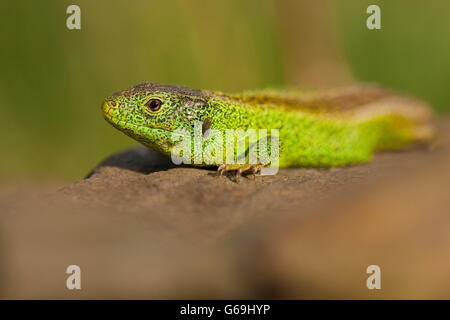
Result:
{"points": [[205, 126]]}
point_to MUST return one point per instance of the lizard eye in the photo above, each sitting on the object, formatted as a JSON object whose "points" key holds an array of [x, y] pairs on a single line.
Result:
{"points": [[154, 104]]}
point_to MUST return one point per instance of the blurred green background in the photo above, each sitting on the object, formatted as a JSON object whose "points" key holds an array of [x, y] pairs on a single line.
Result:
{"points": [[53, 80]]}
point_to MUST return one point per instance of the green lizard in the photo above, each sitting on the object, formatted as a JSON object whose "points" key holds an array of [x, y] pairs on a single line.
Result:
{"points": [[315, 129]]}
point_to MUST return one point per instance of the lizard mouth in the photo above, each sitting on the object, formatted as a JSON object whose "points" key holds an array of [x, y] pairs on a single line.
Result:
{"points": [[154, 137], [143, 134], [135, 130], [123, 125]]}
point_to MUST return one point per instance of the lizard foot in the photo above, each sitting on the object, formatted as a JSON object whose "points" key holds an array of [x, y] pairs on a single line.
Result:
{"points": [[240, 169]]}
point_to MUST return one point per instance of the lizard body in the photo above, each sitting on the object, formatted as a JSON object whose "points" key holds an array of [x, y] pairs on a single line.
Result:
{"points": [[316, 129]]}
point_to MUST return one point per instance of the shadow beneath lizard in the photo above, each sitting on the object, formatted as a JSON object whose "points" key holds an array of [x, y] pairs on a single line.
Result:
{"points": [[139, 159]]}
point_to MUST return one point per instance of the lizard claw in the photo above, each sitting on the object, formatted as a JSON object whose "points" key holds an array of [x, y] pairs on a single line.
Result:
{"points": [[221, 169]]}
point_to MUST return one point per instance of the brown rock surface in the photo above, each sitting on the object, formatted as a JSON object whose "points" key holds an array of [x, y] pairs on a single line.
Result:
{"points": [[141, 228]]}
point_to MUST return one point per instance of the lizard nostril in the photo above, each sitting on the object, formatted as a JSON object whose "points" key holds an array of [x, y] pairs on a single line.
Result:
{"points": [[108, 106]]}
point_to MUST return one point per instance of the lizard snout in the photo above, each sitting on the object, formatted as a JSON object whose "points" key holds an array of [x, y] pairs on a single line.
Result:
{"points": [[110, 108], [108, 104]]}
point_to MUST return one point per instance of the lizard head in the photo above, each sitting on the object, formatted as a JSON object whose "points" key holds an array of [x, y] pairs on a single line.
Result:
{"points": [[150, 112]]}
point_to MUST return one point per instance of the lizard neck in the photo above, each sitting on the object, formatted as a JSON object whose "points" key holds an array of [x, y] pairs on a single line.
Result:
{"points": [[229, 114]]}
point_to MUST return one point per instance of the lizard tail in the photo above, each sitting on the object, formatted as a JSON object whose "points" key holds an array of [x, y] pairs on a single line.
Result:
{"points": [[405, 121]]}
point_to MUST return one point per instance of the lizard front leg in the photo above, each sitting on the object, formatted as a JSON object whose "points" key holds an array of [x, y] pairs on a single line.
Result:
{"points": [[264, 159]]}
